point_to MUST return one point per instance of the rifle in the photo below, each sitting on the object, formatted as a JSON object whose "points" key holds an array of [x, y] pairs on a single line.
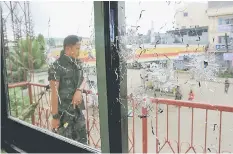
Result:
{"points": [[30, 110]]}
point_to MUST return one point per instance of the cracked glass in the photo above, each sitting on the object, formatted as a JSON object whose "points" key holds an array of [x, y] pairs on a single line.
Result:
{"points": [[51, 70], [179, 76], [179, 70]]}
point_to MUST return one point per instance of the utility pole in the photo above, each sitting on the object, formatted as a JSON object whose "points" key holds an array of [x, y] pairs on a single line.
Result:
{"points": [[226, 42], [227, 50]]}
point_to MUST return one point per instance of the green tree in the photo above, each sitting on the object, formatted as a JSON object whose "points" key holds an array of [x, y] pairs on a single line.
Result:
{"points": [[20, 106], [40, 38], [18, 102], [28, 56], [51, 42]]}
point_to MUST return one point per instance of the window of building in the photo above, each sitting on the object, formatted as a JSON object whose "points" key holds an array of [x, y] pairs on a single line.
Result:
{"points": [[185, 14], [199, 32], [220, 21], [222, 39], [225, 21], [194, 32], [179, 33]]}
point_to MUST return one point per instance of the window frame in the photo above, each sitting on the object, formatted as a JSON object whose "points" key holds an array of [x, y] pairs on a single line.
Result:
{"points": [[225, 20], [220, 20], [113, 121], [19, 136], [221, 39]]}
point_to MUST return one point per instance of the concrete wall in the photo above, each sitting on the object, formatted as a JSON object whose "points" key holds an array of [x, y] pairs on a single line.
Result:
{"points": [[196, 15], [218, 4]]}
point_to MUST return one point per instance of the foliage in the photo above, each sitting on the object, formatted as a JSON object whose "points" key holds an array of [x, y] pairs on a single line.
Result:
{"points": [[226, 74], [29, 55], [19, 101], [51, 42], [41, 40]]}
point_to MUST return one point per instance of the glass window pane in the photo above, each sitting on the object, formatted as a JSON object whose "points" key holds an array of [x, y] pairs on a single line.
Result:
{"points": [[50, 61], [220, 21], [176, 58], [231, 21], [185, 14]]}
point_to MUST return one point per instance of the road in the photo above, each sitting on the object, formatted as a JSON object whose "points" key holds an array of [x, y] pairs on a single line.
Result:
{"points": [[210, 93]]}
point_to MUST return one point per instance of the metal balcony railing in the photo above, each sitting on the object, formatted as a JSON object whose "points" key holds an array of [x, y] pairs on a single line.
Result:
{"points": [[176, 126]]}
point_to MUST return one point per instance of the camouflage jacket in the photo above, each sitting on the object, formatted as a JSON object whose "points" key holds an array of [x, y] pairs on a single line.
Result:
{"points": [[178, 94], [69, 73], [227, 83]]}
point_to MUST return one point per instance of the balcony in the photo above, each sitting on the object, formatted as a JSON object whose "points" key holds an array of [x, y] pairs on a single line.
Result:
{"points": [[163, 125]]}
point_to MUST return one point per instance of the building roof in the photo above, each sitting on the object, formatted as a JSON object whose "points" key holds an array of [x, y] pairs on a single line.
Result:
{"points": [[187, 29]]}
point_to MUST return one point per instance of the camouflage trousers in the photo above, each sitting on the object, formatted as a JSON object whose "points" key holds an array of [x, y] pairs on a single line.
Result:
{"points": [[226, 88], [178, 97], [73, 125]]}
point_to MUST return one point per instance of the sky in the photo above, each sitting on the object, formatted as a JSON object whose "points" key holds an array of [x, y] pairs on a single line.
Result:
{"points": [[75, 17]]}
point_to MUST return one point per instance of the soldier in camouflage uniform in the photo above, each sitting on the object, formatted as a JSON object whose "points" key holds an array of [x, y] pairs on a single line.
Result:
{"points": [[66, 81], [178, 94]]}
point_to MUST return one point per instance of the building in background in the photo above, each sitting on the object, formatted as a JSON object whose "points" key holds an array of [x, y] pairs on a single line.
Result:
{"points": [[190, 29], [189, 36], [187, 15], [221, 23], [191, 26], [220, 15]]}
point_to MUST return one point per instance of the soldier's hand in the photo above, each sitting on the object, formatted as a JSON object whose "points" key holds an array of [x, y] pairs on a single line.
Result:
{"points": [[55, 123], [77, 98]]}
